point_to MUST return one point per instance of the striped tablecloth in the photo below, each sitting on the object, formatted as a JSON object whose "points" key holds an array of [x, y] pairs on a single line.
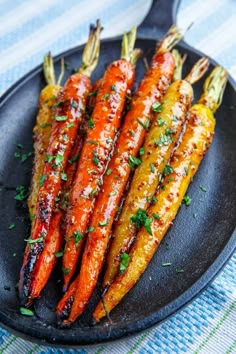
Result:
{"points": [[31, 28]]}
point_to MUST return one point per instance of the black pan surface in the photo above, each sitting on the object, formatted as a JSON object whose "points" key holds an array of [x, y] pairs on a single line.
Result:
{"points": [[201, 240]]}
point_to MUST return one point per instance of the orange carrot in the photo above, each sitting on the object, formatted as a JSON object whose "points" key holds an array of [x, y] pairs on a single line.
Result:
{"points": [[68, 117], [132, 133], [104, 122]]}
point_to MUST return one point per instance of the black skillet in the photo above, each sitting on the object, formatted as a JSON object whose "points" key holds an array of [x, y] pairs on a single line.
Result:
{"points": [[200, 245]]}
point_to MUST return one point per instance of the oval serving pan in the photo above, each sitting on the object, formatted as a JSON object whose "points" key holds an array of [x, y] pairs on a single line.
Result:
{"points": [[201, 245]]}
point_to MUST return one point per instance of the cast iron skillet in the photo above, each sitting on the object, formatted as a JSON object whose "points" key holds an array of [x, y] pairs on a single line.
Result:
{"points": [[200, 245]]}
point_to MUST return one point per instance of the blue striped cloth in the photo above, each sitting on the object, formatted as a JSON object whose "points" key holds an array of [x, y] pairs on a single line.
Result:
{"points": [[30, 29]]}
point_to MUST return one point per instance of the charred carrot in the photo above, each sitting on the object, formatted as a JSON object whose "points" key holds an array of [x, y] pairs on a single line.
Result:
{"points": [[49, 256], [157, 149], [132, 132], [43, 127], [69, 113], [184, 164], [104, 122]]}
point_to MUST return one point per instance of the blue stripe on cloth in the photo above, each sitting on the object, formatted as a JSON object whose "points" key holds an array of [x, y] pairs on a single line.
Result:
{"points": [[61, 43], [7, 6]]}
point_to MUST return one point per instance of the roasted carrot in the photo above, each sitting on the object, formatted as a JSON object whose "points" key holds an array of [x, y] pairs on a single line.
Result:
{"points": [[43, 127], [105, 120], [157, 149], [50, 254], [132, 132], [184, 164], [69, 113]]}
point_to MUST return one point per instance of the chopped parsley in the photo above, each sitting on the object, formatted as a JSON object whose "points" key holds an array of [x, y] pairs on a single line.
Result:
{"points": [[26, 312], [168, 170], [91, 142], [77, 236], [186, 170], [156, 216], [156, 107], [179, 270], [59, 159], [74, 158], [163, 140], [144, 125], [21, 193], [91, 228], [44, 125], [41, 180], [60, 118], [134, 161], [141, 151], [109, 171], [11, 226], [93, 93], [106, 96], [70, 125], [103, 223], [152, 167], [166, 264], [58, 254], [64, 176], [141, 219], [160, 122], [186, 200], [124, 262], [95, 157], [113, 88], [91, 123], [66, 270], [31, 241]]}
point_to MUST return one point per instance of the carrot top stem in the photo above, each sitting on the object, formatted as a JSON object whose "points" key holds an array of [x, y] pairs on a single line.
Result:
{"points": [[62, 72], [179, 62], [91, 50], [198, 70], [171, 38], [48, 69], [213, 88], [127, 47]]}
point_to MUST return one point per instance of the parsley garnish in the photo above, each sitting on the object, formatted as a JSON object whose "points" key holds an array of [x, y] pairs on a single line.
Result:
{"points": [[186, 200], [103, 223], [156, 107], [93, 93], [41, 180], [106, 96], [91, 142], [22, 193], [58, 254], [152, 167], [179, 270], [168, 170], [113, 88], [164, 140], [167, 264], [66, 270], [70, 125], [134, 161], [124, 262], [64, 176], [141, 151], [186, 170], [160, 122], [11, 226], [74, 159], [91, 228], [26, 312], [156, 216], [95, 157], [109, 171], [91, 123], [144, 125], [58, 159], [141, 219], [60, 118]]}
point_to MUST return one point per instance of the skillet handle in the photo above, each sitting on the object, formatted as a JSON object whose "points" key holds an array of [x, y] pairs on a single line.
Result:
{"points": [[160, 17]]}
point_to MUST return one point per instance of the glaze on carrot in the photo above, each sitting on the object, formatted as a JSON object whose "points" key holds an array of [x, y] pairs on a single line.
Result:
{"points": [[104, 122], [184, 164], [131, 135], [157, 149], [69, 114]]}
